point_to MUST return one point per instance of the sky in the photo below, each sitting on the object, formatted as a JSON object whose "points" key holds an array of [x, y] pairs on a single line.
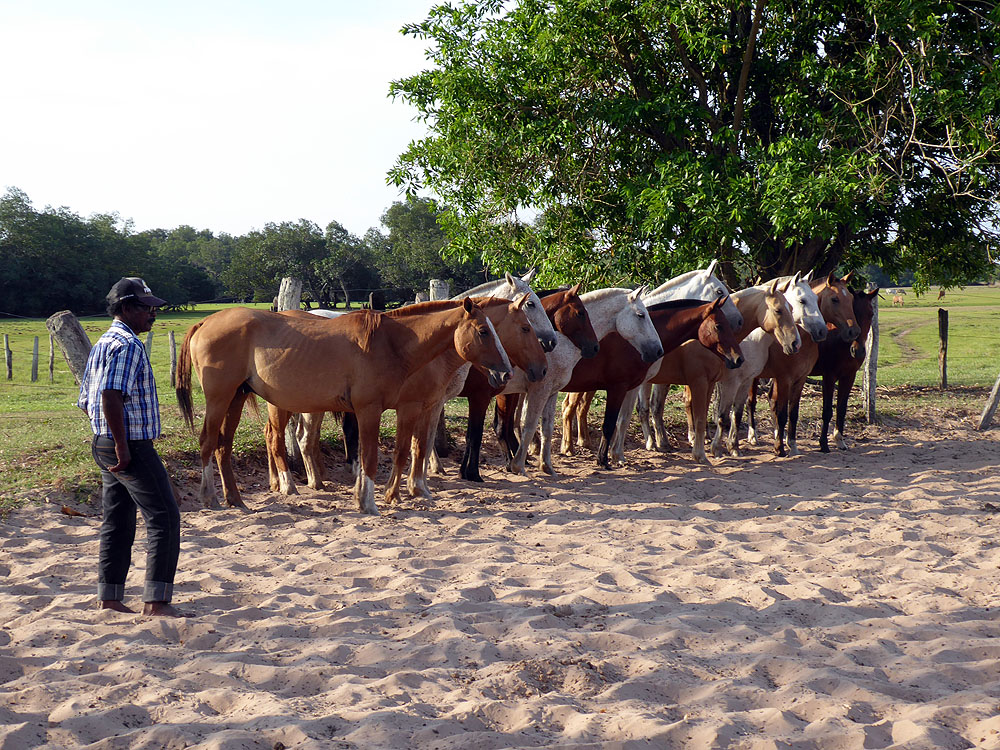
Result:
{"points": [[219, 114]]}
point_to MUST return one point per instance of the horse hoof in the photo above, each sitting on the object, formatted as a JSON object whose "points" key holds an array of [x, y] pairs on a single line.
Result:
{"points": [[824, 449]]}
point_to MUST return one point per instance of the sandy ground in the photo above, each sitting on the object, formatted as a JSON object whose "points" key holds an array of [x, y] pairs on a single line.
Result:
{"points": [[822, 601]]}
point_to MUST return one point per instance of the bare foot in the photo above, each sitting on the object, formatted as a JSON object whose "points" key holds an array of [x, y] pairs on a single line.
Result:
{"points": [[162, 609], [114, 604]]}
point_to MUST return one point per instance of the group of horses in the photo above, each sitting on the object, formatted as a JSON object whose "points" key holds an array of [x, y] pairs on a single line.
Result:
{"points": [[503, 341]]}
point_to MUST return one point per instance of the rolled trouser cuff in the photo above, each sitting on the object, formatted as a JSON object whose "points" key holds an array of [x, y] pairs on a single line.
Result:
{"points": [[158, 591], [111, 592]]}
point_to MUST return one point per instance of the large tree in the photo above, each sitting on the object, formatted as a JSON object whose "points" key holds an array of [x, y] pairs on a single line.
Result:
{"points": [[632, 139]]}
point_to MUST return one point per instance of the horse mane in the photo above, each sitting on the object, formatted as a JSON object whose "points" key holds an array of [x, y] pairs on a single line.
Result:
{"points": [[600, 294], [482, 289], [676, 304], [368, 323], [549, 292]]}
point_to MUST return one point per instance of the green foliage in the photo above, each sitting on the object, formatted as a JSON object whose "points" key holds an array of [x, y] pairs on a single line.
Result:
{"points": [[602, 139]]}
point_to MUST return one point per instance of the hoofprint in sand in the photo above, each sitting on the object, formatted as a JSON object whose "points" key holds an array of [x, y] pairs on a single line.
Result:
{"points": [[847, 600]]}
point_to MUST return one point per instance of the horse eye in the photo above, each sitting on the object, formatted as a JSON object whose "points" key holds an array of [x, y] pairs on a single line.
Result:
{"points": [[582, 314], [526, 329], [640, 315], [530, 303], [483, 332], [718, 292], [836, 300]]}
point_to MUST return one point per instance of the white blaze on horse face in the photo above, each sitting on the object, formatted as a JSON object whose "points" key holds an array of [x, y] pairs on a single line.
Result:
{"points": [[512, 286], [501, 352]]}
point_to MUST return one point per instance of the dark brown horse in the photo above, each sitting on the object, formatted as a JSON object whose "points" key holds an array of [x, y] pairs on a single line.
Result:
{"points": [[352, 363], [788, 372], [838, 364], [569, 317], [618, 368]]}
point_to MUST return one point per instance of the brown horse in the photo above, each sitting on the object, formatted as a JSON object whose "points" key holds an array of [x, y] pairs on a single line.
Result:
{"points": [[353, 363], [619, 369], [788, 372], [838, 364], [417, 395], [569, 317]]}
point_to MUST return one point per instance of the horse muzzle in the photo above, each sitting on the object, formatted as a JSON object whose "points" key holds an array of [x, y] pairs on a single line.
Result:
{"points": [[652, 353], [498, 378], [734, 361], [548, 343], [818, 333], [589, 351], [535, 373]]}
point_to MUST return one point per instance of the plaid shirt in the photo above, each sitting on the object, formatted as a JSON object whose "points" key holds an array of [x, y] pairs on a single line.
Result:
{"points": [[119, 362]]}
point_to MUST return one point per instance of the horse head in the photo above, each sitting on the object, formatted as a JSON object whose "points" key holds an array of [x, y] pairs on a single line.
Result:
{"points": [[837, 305], [864, 314], [512, 287], [805, 306], [569, 316], [518, 338], [477, 342], [717, 335], [633, 324], [779, 320]]}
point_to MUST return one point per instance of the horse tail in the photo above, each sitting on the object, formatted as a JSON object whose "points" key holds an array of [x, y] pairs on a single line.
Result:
{"points": [[183, 388], [251, 402]]}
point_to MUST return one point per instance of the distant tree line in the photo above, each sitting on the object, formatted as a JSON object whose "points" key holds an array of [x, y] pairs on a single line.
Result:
{"points": [[53, 259]]}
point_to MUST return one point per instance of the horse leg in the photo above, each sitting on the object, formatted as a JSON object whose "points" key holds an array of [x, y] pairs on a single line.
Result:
{"points": [[568, 418], [405, 418], [751, 402], [723, 419], [642, 407], [277, 421], [364, 487], [779, 412], [433, 460], [478, 404], [505, 423], [422, 441], [844, 386], [794, 399], [828, 384], [697, 399], [611, 411], [621, 427], [657, 403], [272, 469], [531, 412], [224, 450], [308, 439], [739, 401], [548, 426], [351, 439]]}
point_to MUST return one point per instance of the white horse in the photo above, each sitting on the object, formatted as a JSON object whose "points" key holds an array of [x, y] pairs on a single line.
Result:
{"points": [[510, 287], [698, 284]]}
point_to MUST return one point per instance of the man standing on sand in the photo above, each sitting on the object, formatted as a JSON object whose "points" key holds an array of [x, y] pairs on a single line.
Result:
{"points": [[119, 395]]}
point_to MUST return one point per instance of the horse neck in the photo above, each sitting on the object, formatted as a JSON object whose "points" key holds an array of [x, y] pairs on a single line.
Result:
{"points": [[752, 304], [488, 289], [671, 289], [603, 307], [433, 333]]}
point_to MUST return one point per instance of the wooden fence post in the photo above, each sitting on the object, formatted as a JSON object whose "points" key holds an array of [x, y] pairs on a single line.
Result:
{"points": [[870, 377], [439, 289], [943, 349], [149, 344], [8, 356], [52, 358], [991, 407], [173, 358], [34, 361], [72, 340]]}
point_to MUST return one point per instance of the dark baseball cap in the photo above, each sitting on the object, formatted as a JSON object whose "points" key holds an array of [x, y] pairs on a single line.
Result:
{"points": [[132, 287]]}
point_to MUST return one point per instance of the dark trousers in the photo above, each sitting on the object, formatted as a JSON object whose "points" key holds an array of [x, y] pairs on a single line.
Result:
{"points": [[144, 485]]}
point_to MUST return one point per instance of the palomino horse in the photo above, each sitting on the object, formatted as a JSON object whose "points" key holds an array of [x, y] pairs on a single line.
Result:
{"points": [[734, 386], [569, 318], [419, 393], [698, 369], [838, 364], [619, 310], [789, 372], [352, 363], [619, 369]]}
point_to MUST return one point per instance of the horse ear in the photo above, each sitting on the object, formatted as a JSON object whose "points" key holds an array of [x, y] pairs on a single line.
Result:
{"points": [[773, 288], [873, 293], [468, 304], [847, 279], [636, 293], [576, 289], [510, 279], [530, 274], [809, 276], [711, 267], [796, 279], [831, 279], [787, 285], [520, 301]]}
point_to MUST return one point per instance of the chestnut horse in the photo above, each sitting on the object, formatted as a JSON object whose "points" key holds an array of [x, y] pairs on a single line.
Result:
{"points": [[417, 395], [619, 369], [838, 364], [569, 318], [789, 371], [352, 363]]}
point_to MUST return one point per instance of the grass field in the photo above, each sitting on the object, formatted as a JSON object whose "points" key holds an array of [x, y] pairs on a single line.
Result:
{"points": [[45, 438]]}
